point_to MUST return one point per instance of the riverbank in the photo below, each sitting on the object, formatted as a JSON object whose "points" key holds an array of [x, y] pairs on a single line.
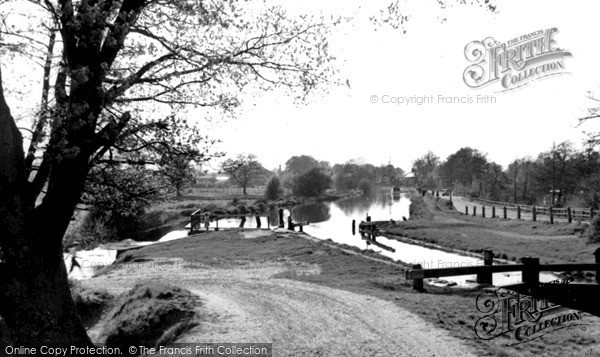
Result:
{"points": [[173, 215], [440, 224], [313, 297]]}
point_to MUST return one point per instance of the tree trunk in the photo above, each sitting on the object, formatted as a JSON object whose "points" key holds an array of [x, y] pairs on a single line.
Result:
{"points": [[35, 297], [244, 189]]}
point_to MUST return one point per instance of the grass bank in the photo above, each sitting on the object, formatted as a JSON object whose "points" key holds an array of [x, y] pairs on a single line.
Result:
{"points": [[438, 223], [342, 268]]}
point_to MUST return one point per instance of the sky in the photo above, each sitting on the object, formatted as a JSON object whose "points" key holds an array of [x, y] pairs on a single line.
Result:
{"points": [[427, 60]]}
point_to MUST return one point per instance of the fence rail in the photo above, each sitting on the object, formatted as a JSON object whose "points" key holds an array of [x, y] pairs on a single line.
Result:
{"points": [[567, 213], [530, 268]]}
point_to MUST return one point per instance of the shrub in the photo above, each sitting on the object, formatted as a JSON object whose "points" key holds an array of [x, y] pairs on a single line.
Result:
{"points": [[273, 190], [593, 231]]}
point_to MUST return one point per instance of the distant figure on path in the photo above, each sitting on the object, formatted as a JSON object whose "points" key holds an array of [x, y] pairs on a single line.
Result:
{"points": [[73, 251]]}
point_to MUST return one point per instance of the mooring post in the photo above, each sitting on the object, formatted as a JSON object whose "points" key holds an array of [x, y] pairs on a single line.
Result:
{"points": [[483, 211], [493, 211], [569, 215], [417, 283], [551, 216], [597, 255], [531, 272], [353, 227], [519, 212], [488, 260], [290, 224], [281, 218], [258, 223], [504, 209]]}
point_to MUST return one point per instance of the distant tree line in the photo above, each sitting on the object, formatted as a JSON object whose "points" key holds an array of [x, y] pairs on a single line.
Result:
{"points": [[559, 176]]}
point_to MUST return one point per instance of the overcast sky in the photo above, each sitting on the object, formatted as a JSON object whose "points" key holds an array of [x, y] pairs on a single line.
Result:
{"points": [[428, 60]]}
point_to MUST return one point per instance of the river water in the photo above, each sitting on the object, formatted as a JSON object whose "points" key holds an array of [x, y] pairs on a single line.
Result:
{"points": [[333, 220]]}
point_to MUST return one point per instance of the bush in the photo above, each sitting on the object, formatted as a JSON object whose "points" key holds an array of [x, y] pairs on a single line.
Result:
{"points": [[593, 231], [273, 190]]}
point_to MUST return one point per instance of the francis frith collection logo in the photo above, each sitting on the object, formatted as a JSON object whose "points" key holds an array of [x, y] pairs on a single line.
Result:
{"points": [[520, 317], [514, 63]]}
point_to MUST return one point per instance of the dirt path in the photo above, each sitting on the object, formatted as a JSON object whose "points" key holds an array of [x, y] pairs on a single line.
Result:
{"points": [[250, 303], [511, 213]]}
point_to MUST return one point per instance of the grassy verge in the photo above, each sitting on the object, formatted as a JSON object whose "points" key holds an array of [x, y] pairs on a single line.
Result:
{"points": [[509, 239], [450, 309]]}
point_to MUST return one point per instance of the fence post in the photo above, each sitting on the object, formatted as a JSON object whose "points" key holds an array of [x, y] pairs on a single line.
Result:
{"points": [[597, 255], [569, 215], [258, 222], [531, 272], [483, 211], [467, 210], [474, 210], [281, 218], [417, 283], [504, 212], [290, 224], [519, 212], [488, 260], [353, 227], [551, 216], [493, 211]]}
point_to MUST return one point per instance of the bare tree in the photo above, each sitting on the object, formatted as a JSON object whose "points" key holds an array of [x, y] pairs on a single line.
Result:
{"points": [[243, 169]]}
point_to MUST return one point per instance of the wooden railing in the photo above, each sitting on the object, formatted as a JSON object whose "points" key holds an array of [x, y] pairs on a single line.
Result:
{"points": [[201, 220], [569, 214], [530, 268]]}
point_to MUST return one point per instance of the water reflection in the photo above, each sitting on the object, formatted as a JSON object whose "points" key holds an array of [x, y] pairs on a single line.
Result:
{"points": [[311, 212]]}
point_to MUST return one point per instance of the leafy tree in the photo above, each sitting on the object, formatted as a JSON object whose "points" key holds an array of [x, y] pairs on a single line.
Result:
{"points": [[425, 165], [554, 172], [297, 165], [243, 170], [127, 74], [312, 183], [273, 190], [466, 165]]}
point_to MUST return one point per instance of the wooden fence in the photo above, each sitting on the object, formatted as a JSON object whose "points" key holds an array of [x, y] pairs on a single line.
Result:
{"points": [[530, 269], [200, 221], [569, 214]]}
